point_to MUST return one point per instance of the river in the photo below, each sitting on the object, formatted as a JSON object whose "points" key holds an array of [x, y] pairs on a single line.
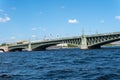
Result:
{"points": [[61, 64]]}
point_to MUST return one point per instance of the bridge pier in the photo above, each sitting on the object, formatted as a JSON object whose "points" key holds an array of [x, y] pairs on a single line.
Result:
{"points": [[29, 46], [83, 42]]}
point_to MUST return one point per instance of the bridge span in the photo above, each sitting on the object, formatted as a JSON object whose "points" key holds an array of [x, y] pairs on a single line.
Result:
{"points": [[83, 42]]}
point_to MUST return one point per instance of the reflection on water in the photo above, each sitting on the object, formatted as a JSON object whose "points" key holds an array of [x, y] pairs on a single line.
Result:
{"points": [[62, 64]]}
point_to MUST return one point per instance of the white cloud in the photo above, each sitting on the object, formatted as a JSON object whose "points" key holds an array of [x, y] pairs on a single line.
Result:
{"points": [[39, 29], [102, 21], [33, 29], [4, 16], [73, 21], [13, 8], [13, 37], [33, 36], [5, 19], [117, 17], [44, 29]]}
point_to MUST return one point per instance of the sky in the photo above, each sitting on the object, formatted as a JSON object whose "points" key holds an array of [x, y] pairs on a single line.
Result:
{"points": [[51, 19]]}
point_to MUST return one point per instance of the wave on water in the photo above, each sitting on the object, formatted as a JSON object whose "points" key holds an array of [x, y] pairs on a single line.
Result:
{"points": [[67, 64], [109, 77]]}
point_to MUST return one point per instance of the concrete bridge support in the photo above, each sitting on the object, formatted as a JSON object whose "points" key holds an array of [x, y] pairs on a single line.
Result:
{"points": [[83, 42], [29, 46]]}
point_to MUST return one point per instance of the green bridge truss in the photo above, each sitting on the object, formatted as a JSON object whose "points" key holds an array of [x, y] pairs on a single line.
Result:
{"points": [[83, 42]]}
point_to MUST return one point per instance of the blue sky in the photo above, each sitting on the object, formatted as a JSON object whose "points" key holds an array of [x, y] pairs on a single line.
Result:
{"points": [[39, 19]]}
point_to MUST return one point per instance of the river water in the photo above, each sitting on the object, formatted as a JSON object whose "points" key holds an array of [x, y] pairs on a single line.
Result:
{"points": [[62, 64]]}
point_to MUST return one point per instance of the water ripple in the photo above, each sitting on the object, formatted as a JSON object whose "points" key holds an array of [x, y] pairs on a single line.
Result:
{"points": [[63, 64]]}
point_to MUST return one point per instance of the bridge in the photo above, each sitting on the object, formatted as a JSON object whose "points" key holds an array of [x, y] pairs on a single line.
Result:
{"points": [[83, 42]]}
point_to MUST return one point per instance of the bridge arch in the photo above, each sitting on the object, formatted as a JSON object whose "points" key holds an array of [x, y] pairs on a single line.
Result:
{"points": [[44, 46], [16, 49], [2, 50], [99, 44]]}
